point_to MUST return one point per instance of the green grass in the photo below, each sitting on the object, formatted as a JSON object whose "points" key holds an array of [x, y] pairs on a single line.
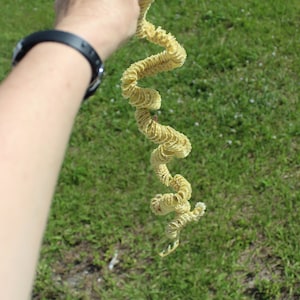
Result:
{"points": [[237, 99]]}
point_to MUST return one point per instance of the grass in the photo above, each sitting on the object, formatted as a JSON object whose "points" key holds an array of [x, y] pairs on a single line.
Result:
{"points": [[237, 99]]}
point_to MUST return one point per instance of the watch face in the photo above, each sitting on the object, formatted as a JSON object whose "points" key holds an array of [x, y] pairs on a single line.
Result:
{"points": [[93, 87], [95, 83], [16, 53]]}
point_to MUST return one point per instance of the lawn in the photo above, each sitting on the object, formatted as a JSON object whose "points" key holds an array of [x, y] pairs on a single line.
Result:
{"points": [[237, 99]]}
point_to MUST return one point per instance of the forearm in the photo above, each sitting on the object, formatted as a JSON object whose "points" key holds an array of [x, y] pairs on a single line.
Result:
{"points": [[38, 104]]}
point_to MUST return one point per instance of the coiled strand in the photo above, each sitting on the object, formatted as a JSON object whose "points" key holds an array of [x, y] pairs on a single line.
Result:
{"points": [[171, 142]]}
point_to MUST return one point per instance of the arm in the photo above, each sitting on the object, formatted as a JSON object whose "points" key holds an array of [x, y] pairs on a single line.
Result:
{"points": [[38, 103]]}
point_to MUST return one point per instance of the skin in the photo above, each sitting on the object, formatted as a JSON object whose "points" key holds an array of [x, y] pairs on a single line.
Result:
{"points": [[37, 112]]}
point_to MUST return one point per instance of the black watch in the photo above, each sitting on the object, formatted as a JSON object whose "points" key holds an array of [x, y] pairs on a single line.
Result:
{"points": [[69, 39]]}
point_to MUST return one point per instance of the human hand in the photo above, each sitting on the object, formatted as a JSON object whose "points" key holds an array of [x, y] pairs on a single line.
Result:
{"points": [[105, 24]]}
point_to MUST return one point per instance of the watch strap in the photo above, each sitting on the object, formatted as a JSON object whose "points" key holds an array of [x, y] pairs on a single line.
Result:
{"points": [[69, 39]]}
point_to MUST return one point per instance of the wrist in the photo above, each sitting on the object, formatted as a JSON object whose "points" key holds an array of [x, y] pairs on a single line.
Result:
{"points": [[56, 69], [69, 39]]}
